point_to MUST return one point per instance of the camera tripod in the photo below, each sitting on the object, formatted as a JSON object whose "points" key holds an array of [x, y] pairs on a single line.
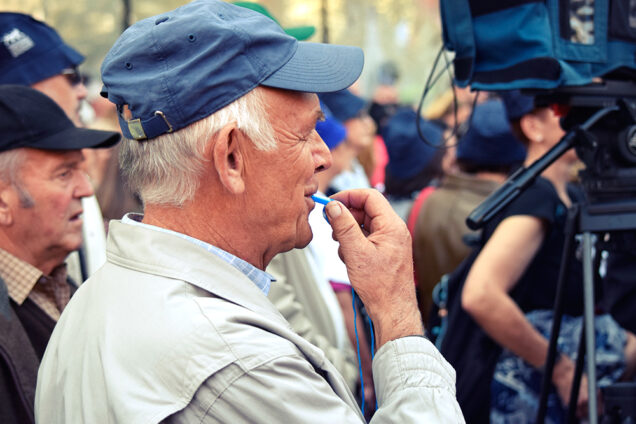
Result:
{"points": [[586, 220]]}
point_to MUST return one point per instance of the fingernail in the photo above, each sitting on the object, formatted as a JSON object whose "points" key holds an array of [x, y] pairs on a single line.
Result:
{"points": [[333, 209]]}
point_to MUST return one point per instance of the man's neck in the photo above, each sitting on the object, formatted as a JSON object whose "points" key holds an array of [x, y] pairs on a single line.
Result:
{"points": [[44, 261], [227, 235]]}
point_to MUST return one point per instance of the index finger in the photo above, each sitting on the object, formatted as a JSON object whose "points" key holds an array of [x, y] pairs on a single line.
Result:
{"points": [[365, 204]]}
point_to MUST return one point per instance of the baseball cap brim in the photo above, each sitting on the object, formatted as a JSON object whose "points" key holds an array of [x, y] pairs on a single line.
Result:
{"points": [[318, 68], [74, 138], [301, 33]]}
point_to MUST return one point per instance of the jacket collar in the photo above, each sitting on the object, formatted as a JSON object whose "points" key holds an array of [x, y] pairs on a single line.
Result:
{"points": [[168, 255]]}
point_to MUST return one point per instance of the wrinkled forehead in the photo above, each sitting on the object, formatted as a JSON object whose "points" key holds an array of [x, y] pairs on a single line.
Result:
{"points": [[46, 160], [288, 104]]}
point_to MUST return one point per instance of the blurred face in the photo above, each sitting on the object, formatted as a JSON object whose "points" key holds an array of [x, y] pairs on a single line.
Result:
{"points": [[360, 132], [449, 160], [341, 157], [279, 183], [67, 91], [49, 224]]}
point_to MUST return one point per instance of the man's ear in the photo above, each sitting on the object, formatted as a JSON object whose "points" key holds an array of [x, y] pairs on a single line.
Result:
{"points": [[228, 158], [7, 198]]}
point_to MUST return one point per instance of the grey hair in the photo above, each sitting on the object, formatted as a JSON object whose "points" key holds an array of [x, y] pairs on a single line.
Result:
{"points": [[10, 164], [166, 169]]}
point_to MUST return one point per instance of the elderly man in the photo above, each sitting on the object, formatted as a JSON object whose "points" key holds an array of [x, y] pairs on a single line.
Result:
{"points": [[176, 327], [41, 186]]}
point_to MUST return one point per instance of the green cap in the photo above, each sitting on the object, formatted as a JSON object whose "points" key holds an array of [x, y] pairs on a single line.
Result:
{"points": [[299, 33]]}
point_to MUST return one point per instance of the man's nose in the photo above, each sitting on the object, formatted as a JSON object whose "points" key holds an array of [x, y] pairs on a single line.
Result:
{"points": [[84, 187], [322, 155]]}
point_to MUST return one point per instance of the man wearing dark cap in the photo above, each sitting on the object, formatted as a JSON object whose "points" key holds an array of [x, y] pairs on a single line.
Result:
{"points": [[485, 156], [41, 186], [216, 102]]}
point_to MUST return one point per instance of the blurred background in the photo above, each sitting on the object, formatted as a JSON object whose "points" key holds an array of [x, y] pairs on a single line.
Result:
{"points": [[400, 38]]}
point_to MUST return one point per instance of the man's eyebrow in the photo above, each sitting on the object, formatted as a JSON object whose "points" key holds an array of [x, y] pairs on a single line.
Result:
{"points": [[68, 163], [320, 116]]}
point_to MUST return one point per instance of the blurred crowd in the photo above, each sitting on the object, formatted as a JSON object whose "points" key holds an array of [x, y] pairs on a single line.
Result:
{"points": [[485, 296]]}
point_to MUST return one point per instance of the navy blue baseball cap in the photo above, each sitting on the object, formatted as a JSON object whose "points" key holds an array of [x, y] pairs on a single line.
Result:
{"points": [[331, 131], [31, 51], [29, 118], [408, 153], [171, 70], [516, 104], [489, 140], [343, 104]]}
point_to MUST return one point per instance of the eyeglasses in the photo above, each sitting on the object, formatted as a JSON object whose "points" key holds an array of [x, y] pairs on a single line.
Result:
{"points": [[73, 76]]}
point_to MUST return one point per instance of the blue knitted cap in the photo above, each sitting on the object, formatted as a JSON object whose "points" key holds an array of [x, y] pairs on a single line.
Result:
{"points": [[343, 104], [408, 153], [331, 131]]}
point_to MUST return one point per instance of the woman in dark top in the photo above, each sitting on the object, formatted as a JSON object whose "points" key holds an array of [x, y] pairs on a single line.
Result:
{"points": [[514, 278]]}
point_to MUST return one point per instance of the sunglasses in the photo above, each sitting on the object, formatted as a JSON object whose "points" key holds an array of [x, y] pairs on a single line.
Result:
{"points": [[73, 76]]}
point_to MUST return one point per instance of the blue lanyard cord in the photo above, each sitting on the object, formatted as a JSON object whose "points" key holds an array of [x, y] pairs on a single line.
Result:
{"points": [[372, 350], [355, 327]]}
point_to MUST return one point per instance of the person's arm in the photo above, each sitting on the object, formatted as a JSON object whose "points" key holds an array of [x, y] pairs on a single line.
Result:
{"points": [[495, 272], [287, 389], [375, 245], [413, 382]]}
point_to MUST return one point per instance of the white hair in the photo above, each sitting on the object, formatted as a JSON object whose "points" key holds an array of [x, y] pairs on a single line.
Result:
{"points": [[166, 169], [10, 164]]}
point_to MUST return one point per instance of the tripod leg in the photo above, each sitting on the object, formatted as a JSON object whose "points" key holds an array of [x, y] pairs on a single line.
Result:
{"points": [[570, 227], [578, 374], [590, 339]]}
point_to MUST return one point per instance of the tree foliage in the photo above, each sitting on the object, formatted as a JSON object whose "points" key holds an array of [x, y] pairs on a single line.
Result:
{"points": [[405, 32]]}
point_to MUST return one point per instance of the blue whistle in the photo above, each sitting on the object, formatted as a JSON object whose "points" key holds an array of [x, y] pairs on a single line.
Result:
{"points": [[322, 201]]}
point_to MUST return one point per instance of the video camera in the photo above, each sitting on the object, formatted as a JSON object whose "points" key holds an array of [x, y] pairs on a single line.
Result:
{"points": [[581, 56]]}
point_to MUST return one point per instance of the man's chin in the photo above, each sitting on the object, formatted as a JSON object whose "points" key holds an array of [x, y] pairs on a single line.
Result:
{"points": [[304, 241], [73, 243]]}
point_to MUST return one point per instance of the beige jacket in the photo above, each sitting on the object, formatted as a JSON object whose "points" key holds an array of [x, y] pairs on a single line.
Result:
{"points": [[167, 329]]}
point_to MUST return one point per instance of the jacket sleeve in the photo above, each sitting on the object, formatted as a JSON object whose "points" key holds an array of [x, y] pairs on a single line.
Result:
{"points": [[414, 384]]}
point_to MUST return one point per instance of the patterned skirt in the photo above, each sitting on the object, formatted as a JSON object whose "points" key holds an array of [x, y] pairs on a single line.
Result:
{"points": [[516, 385]]}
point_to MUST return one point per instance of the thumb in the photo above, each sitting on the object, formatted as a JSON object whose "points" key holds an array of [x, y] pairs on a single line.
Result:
{"points": [[345, 228]]}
